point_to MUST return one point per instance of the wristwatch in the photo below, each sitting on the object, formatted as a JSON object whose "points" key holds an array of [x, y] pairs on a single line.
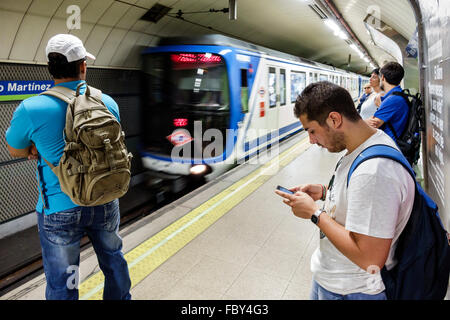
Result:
{"points": [[316, 216]]}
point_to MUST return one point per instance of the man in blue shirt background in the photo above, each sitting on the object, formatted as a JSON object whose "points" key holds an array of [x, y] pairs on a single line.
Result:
{"points": [[394, 109], [36, 132]]}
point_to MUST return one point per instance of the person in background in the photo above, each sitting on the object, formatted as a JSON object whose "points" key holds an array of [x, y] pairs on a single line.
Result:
{"points": [[392, 115], [369, 106], [367, 92]]}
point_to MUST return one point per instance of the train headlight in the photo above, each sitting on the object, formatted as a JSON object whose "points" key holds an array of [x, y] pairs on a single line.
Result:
{"points": [[199, 169]]}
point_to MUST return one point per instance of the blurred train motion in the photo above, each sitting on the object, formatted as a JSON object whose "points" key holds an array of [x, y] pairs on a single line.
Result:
{"points": [[212, 101]]}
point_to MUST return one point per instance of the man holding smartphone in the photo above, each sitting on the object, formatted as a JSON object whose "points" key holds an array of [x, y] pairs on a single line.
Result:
{"points": [[359, 224]]}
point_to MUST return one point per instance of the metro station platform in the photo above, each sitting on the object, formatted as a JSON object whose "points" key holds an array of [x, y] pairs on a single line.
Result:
{"points": [[231, 239]]}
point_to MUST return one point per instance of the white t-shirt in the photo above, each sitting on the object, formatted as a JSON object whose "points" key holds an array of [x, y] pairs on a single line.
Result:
{"points": [[369, 107], [377, 203]]}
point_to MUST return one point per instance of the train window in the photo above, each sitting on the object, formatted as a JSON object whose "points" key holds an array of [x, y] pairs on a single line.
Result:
{"points": [[316, 77], [201, 80], [310, 78], [323, 77], [282, 87], [244, 91], [272, 88], [298, 83]]}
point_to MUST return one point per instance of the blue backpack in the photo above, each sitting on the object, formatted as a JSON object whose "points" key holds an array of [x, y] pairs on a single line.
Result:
{"points": [[423, 249]]}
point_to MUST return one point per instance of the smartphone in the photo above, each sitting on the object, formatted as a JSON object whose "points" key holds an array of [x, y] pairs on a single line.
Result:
{"points": [[284, 190]]}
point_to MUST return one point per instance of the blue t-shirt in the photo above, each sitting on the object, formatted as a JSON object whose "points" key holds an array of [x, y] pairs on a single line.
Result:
{"points": [[395, 110], [41, 119]]}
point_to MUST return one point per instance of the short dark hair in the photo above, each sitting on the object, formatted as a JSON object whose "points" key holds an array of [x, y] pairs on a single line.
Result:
{"points": [[393, 72], [59, 67], [320, 98], [376, 71]]}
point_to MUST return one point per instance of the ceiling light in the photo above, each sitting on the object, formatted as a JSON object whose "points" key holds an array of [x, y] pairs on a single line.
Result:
{"points": [[355, 48], [337, 31]]}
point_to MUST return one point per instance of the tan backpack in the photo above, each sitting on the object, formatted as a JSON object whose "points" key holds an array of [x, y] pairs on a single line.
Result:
{"points": [[95, 166]]}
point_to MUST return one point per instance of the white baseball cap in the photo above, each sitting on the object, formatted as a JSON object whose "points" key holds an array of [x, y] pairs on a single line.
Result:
{"points": [[69, 46]]}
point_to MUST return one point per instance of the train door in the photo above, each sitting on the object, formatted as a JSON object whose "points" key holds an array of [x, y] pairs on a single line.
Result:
{"points": [[277, 95]]}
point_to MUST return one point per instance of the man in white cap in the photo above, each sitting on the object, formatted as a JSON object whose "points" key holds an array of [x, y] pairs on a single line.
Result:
{"points": [[36, 132]]}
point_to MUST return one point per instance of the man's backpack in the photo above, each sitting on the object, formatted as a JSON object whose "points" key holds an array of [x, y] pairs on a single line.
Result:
{"points": [[409, 141], [423, 249], [95, 166]]}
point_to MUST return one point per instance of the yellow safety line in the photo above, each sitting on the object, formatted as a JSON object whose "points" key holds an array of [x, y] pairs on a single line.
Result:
{"points": [[150, 254]]}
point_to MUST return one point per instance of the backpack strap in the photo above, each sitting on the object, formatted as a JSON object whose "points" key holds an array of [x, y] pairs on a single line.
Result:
{"points": [[380, 151], [65, 94], [94, 92]]}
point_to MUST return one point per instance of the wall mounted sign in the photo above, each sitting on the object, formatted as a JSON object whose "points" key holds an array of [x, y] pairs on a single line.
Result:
{"points": [[20, 90]]}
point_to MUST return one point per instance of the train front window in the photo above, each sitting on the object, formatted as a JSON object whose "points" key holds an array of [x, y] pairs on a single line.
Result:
{"points": [[179, 90], [197, 80]]}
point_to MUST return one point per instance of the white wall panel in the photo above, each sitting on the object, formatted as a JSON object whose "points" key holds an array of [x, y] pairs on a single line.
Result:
{"points": [[94, 10], [154, 28], [44, 7], [109, 47], [9, 24], [28, 37], [15, 5], [148, 3], [83, 32], [122, 52], [131, 17], [134, 59], [140, 26], [55, 26], [96, 38], [113, 14]]}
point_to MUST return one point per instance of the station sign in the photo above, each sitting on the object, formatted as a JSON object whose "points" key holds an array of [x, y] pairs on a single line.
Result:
{"points": [[22, 89], [180, 137]]}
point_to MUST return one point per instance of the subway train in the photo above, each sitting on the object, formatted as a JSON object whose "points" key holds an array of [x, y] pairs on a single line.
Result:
{"points": [[212, 101]]}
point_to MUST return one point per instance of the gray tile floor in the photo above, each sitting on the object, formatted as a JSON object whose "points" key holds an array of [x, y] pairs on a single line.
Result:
{"points": [[258, 250]]}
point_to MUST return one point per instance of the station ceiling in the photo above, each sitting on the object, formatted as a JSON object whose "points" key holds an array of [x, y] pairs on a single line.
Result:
{"points": [[115, 32]]}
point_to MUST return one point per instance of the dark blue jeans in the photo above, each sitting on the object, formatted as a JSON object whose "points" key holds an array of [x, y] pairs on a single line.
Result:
{"points": [[60, 234], [320, 293]]}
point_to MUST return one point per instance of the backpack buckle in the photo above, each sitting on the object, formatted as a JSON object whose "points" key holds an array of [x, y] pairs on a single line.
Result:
{"points": [[107, 144]]}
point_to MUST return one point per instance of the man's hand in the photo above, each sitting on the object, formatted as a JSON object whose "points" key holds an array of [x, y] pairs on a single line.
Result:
{"points": [[374, 122], [32, 153], [313, 190], [303, 205]]}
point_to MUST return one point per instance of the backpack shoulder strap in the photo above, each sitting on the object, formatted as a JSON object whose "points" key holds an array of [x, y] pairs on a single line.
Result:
{"points": [[380, 151], [94, 92], [60, 92]]}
